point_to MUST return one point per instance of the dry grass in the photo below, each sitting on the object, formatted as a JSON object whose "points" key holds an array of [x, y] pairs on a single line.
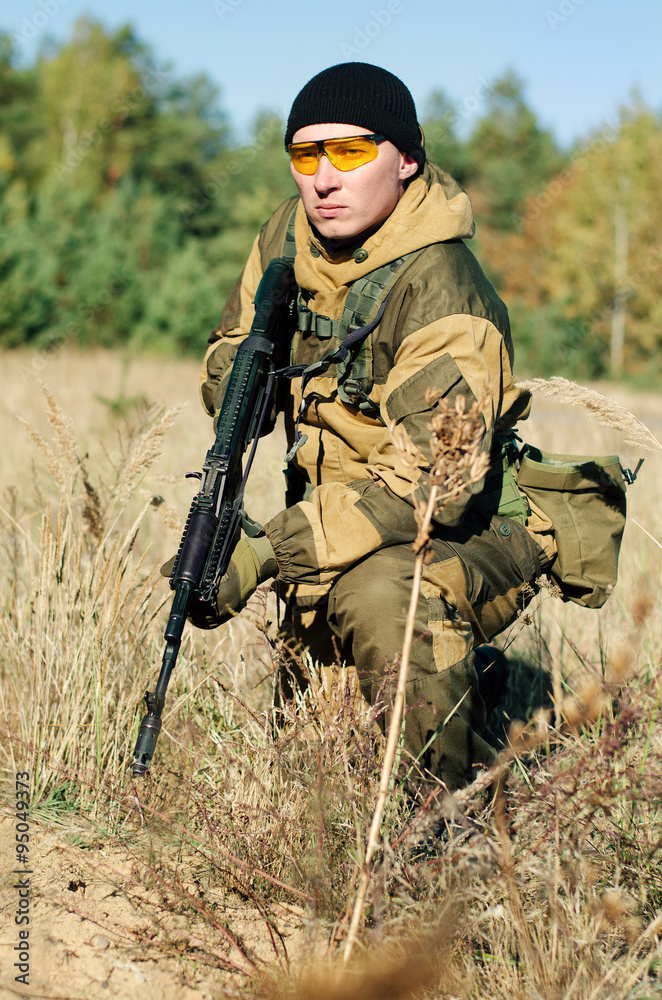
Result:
{"points": [[604, 409], [551, 889]]}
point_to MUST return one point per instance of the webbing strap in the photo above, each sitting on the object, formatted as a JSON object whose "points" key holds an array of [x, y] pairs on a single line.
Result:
{"points": [[351, 340], [289, 250], [324, 327], [366, 292], [306, 372]]}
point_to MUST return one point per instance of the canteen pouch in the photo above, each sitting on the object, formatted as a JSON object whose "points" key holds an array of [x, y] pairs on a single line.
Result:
{"points": [[584, 497]]}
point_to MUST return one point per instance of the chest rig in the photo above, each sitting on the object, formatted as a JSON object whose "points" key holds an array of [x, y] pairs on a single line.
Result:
{"points": [[341, 348]]}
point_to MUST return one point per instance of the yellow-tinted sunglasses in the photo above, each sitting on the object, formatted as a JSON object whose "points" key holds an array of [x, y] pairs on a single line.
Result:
{"points": [[345, 154]]}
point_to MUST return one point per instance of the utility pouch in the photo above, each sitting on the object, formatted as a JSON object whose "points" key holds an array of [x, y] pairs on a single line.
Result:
{"points": [[584, 497]]}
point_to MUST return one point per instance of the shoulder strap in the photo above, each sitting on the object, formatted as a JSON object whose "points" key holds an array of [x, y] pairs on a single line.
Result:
{"points": [[366, 294], [289, 250], [274, 233], [364, 307]]}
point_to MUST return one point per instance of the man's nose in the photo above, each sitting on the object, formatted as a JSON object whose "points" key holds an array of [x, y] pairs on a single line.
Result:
{"points": [[327, 177]]}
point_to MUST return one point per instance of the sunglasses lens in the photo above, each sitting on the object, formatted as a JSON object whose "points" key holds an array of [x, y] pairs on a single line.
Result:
{"points": [[345, 154], [305, 156]]}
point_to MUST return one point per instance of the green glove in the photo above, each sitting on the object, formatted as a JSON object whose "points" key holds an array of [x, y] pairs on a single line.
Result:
{"points": [[253, 561]]}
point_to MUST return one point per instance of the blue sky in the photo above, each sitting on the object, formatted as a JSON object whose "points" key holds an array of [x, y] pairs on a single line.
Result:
{"points": [[580, 59]]}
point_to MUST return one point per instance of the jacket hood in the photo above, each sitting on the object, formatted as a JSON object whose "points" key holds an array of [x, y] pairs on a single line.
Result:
{"points": [[434, 208]]}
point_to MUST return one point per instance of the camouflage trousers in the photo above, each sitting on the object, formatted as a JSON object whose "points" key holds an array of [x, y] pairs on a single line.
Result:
{"points": [[481, 575]]}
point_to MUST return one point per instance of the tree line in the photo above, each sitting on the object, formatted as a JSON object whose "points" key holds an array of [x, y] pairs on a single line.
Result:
{"points": [[127, 211]]}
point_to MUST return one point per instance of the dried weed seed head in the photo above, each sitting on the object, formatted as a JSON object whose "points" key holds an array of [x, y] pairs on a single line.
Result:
{"points": [[457, 459], [92, 510], [411, 457], [455, 444], [642, 605], [61, 460], [524, 737], [402, 968], [145, 450], [622, 663], [623, 658], [64, 432], [615, 909], [589, 703]]}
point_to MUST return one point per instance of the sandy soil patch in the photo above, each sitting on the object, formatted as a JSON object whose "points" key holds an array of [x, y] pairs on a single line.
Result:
{"points": [[103, 923]]}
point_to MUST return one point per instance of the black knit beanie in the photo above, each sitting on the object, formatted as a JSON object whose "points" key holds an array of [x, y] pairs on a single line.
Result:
{"points": [[357, 93]]}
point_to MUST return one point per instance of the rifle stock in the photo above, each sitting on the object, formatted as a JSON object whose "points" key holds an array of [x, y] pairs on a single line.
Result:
{"points": [[214, 519]]}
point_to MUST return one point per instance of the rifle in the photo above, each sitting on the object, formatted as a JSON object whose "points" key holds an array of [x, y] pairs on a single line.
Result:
{"points": [[216, 514]]}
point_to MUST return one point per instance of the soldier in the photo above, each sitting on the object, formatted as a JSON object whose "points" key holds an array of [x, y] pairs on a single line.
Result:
{"points": [[376, 236]]}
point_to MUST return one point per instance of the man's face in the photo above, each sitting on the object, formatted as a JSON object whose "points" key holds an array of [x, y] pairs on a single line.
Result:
{"points": [[343, 203]]}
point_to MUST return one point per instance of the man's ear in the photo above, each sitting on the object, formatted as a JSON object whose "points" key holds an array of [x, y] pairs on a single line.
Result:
{"points": [[408, 166]]}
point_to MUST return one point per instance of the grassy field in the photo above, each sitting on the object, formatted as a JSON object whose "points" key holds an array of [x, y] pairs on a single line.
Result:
{"points": [[231, 870]]}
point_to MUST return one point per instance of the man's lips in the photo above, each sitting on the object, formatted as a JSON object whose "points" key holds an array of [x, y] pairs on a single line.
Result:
{"points": [[329, 209]]}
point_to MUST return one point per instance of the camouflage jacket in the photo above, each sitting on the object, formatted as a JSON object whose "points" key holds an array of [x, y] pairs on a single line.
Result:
{"points": [[444, 326]]}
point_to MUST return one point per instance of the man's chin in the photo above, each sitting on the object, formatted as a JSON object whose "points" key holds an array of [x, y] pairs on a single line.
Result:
{"points": [[334, 229]]}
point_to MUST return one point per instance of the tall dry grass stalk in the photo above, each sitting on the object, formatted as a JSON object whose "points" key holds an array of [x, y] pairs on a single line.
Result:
{"points": [[79, 627], [143, 451], [457, 463], [62, 461], [602, 408]]}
